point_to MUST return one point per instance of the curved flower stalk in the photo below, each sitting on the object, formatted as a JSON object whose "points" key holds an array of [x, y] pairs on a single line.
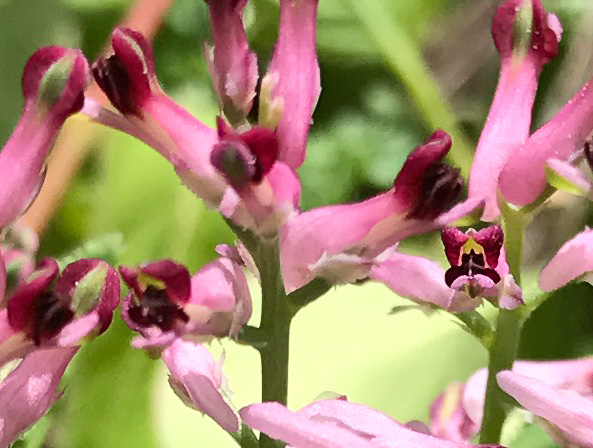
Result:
{"points": [[341, 242], [165, 303], [53, 84], [29, 390], [526, 38], [238, 171], [558, 391], [337, 424], [197, 378], [478, 270], [53, 309]]}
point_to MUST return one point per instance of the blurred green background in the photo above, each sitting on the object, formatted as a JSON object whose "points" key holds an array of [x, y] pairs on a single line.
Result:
{"points": [[392, 70]]}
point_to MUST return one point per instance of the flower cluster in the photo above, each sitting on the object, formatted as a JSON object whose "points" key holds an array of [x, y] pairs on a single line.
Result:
{"points": [[247, 169]]}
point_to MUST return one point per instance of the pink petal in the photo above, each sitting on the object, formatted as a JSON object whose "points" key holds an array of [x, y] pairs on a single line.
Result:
{"points": [[336, 423], [276, 421], [294, 63], [74, 332], [194, 370], [30, 390], [574, 258], [448, 418], [570, 412], [233, 68], [53, 85], [415, 278], [509, 118], [523, 178]]}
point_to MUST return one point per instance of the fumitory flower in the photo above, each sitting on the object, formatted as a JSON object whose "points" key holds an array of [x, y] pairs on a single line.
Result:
{"points": [[53, 83], [478, 270], [559, 392], [197, 378], [526, 38], [52, 309], [30, 389], [341, 242], [337, 424], [165, 302]]}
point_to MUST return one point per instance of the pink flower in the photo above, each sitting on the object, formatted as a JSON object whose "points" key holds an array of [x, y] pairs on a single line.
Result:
{"points": [[561, 392], [507, 126], [478, 270], [573, 259], [58, 310], [199, 382], [448, 418], [568, 413], [53, 84], [165, 303], [341, 242], [232, 67], [336, 424], [237, 171], [28, 392], [291, 86]]}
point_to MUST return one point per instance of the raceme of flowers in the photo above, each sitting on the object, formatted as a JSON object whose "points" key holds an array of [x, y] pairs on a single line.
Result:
{"points": [[247, 171]]}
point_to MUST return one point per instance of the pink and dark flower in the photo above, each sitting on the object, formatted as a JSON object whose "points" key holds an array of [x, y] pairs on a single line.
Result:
{"points": [[478, 270], [58, 310], [53, 83], [18, 249], [341, 242], [165, 302], [238, 172], [526, 38], [338, 424]]}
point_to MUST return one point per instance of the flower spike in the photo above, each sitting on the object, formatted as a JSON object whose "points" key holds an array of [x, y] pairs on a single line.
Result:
{"points": [[526, 38], [53, 83]]}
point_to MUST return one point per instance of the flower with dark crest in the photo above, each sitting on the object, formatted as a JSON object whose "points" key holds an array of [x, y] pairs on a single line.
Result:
{"points": [[165, 302], [54, 309], [341, 242], [53, 84], [478, 270]]}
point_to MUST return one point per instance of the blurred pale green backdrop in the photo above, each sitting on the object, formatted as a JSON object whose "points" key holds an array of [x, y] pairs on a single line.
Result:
{"points": [[391, 71]]}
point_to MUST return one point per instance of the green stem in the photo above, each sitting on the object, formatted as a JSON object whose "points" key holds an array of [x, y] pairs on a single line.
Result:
{"points": [[478, 325], [508, 334], [308, 293], [275, 329]]}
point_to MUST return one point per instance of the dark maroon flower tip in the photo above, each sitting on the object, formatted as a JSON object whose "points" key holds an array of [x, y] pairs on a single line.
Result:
{"points": [[89, 284], [155, 309], [34, 309], [422, 165], [453, 239], [56, 77], [244, 157], [542, 34], [491, 239], [127, 76], [167, 275], [471, 265]]}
